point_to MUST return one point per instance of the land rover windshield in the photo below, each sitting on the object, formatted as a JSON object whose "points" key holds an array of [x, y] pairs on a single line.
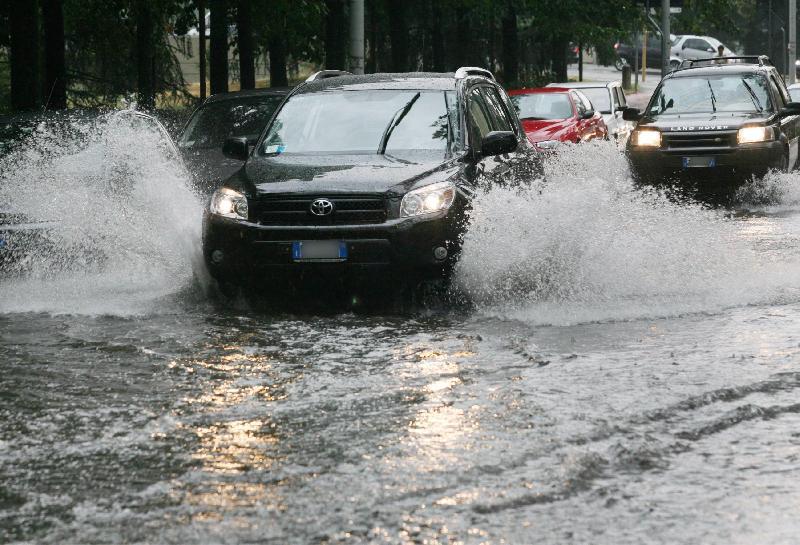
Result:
{"points": [[727, 93]]}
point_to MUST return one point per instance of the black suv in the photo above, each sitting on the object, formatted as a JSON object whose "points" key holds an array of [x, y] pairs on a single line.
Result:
{"points": [[364, 177], [716, 123]]}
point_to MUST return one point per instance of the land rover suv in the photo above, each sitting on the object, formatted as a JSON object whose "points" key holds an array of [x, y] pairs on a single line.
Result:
{"points": [[363, 178], [715, 123]]}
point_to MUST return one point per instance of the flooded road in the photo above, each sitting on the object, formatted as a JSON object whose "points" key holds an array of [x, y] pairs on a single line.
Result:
{"points": [[628, 374]]}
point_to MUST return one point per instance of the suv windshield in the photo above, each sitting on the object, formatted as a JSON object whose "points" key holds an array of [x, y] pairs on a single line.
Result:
{"points": [[364, 121], [712, 94], [217, 121], [542, 106]]}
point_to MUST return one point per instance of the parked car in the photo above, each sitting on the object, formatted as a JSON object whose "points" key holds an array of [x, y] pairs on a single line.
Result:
{"points": [[222, 116], [554, 115], [363, 178], [689, 46], [715, 124], [609, 99], [627, 54]]}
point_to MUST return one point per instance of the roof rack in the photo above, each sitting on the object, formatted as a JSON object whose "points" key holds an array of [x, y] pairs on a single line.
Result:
{"points": [[466, 71], [761, 60], [325, 74]]}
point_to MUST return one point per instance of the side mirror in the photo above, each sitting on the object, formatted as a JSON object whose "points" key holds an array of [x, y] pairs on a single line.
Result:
{"points": [[620, 108], [588, 114], [793, 108], [683, 46], [498, 142], [236, 148], [631, 114]]}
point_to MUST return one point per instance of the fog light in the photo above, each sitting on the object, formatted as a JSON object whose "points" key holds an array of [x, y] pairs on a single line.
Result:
{"points": [[217, 256], [440, 252]]}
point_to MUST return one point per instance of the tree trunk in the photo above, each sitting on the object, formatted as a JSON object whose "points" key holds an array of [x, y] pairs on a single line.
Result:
{"points": [[277, 62], [437, 39], [398, 34], [558, 53], [371, 65], [54, 90], [247, 66], [145, 53], [219, 47], [201, 27], [462, 45], [510, 45], [335, 36], [24, 34]]}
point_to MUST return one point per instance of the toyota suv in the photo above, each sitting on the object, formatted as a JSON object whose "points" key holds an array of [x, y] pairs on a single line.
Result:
{"points": [[363, 178], [715, 123]]}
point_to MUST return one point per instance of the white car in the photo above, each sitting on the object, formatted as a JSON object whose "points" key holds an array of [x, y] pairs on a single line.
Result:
{"points": [[689, 46], [608, 98]]}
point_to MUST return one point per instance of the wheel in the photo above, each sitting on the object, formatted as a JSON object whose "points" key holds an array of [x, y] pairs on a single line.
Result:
{"points": [[619, 63]]}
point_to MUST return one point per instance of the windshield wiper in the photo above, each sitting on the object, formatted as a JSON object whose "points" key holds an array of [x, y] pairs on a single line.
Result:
{"points": [[753, 97], [713, 97], [396, 119]]}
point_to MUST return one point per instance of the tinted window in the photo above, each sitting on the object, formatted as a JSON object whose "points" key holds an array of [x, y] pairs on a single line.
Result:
{"points": [[542, 106], [694, 43], [725, 93], [620, 96], [579, 105], [210, 126], [478, 112], [357, 121], [497, 113]]}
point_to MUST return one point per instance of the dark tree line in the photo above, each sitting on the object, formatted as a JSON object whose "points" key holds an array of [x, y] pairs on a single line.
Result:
{"points": [[99, 52]]}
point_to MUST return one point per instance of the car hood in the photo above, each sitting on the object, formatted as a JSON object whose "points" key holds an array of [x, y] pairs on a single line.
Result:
{"points": [[209, 167], [702, 122], [539, 130], [368, 173]]}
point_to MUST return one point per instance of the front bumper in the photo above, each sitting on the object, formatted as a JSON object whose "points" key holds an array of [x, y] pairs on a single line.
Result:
{"points": [[241, 252], [733, 164]]}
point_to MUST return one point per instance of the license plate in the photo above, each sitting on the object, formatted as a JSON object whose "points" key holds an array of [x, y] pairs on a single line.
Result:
{"points": [[319, 250], [699, 162]]}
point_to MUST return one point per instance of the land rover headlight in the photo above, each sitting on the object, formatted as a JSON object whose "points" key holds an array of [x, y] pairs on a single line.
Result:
{"points": [[750, 135], [647, 138], [427, 200], [228, 203]]}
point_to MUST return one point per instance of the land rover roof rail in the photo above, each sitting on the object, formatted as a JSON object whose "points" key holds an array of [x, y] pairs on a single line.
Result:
{"points": [[325, 74], [761, 60], [466, 71]]}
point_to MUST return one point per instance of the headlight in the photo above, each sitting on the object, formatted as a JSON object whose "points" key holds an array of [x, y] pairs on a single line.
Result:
{"points": [[749, 135], [547, 144], [428, 199], [647, 138], [228, 203]]}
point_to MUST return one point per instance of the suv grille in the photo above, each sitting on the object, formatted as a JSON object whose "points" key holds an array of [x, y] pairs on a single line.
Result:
{"points": [[296, 210], [699, 140]]}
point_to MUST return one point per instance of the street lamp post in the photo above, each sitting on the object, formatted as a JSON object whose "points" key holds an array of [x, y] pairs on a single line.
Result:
{"points": [[665, 41], [792, 46], [357, 36]]}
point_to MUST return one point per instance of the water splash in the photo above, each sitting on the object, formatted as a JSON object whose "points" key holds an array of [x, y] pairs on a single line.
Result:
{"points": [[125, 222], [587, 245]]}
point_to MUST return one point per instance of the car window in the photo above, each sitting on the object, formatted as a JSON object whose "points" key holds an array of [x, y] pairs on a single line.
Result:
{"points": [[498, 116], [794, 93], [621, 96], [599, 97], [710, 94], [542, 105], [215, 122], [359, 121], [695, 43], [481, 124], [783, 92], [579, 104]]}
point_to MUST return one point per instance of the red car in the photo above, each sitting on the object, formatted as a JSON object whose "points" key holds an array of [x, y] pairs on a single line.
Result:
{"points": [[551, 115]]}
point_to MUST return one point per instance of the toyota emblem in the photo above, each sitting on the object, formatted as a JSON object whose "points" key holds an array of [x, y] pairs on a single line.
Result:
{"points": [[321, 207]]}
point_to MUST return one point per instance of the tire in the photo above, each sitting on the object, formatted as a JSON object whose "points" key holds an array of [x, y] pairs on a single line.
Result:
{"points": [[619, 62]]}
